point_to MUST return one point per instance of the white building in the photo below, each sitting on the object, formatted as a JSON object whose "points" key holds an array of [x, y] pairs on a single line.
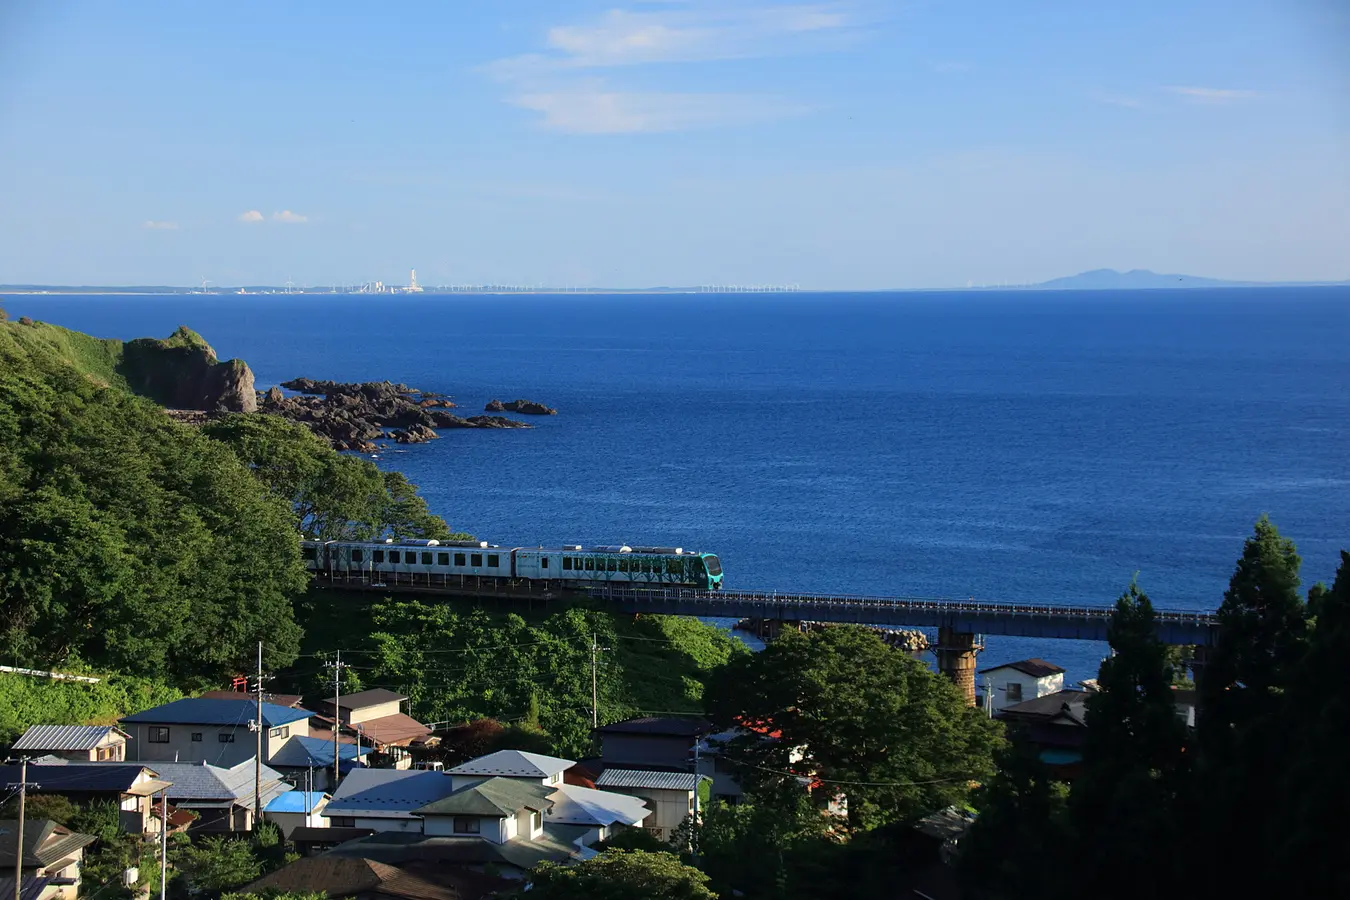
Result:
{"points": [[519, 764], [384, 799], [670, 795], [1017, 682], [212, 731]]}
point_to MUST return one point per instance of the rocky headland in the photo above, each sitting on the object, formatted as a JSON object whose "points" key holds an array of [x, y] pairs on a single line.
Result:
{"points": [[354, 416], [182, 372], [524, 407]]}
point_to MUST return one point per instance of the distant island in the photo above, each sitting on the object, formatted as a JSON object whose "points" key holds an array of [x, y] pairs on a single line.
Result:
{"points": [[1143, 279]]}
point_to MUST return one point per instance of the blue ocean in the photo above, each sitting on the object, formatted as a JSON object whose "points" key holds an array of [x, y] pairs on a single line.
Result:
{"points": [[1040, 447]]}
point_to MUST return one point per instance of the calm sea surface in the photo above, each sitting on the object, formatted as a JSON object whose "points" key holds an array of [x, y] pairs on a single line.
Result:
{"points": [[1037, 447]]}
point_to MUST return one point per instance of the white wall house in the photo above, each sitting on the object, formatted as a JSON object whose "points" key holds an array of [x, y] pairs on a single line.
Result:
{"points": [[534, 768], [212, 731], [497, 810], [669, 795], [1016, 682], [385, 799]]}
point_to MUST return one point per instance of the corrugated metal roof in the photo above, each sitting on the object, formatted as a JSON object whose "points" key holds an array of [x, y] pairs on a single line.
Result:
{"points": [[65, 737], [295, 802], [55, 776], [204, 711], [634, 778]]}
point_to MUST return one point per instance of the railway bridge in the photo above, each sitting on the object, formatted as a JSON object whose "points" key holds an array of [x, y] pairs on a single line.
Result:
{"points": [[961, 624]]}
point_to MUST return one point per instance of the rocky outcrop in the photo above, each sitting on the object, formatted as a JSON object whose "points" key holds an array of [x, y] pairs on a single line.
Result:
{"points": [[182, 372], [525, 407], [351, 416]]}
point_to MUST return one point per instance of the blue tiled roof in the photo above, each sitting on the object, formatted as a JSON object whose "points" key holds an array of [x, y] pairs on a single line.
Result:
{"points": [[295, 802], [204, 711], [312, 751]]}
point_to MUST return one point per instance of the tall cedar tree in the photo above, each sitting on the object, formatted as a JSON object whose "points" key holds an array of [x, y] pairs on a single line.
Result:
{"points": [[1243, 736], [857, 711], [1124, 811], [1021, 826], [1308, 835]]}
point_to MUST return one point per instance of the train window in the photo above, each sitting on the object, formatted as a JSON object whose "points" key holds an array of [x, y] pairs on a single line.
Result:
{"points": [[393, 556], [378, 556], [442, 559], [543, 562], [674, 566], [493, 561], [623, 565], [477, 560], [590, 564], [358, 555], [308, 553], [459, 559], [567, 563], [613, 565], [426, 558]]}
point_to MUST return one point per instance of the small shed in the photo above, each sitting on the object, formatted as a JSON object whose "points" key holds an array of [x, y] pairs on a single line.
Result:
{"points": [[297, 809]]}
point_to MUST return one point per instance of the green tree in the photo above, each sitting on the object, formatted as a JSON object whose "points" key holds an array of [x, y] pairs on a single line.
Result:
{"points": [[620, 875], [842, 706], [753, 847], [1021, 824], [56, 807], [216, 864], [1305, 832], [1242, 726], [1125, 809]]}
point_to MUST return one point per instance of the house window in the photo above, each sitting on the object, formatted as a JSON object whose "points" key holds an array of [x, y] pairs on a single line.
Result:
{"points": [[567, 563], [543, 563], [378, 556], [477, 560], [466, 825], [442, 559], [226, 737], [426, 558], [493, 561], [459, 559], [536, 821], [283, 732], [1014, 692], [196, 736], [342, 821], [358, 556], [105, 753], [158, 735]]}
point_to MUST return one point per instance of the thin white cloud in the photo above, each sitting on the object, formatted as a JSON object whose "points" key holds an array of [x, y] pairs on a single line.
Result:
{"points": [[251, 216], [624, 38], [1118, 100], [550, 82], [595, 110], [289, 217], [159, 226], [1213, 95]]}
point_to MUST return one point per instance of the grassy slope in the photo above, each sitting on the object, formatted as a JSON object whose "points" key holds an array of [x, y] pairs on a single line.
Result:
{"points": [[29, 700], [96, 358]]}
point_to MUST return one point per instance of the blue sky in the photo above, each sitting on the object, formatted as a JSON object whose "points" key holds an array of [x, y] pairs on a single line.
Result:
{"points": [[835, 144]]}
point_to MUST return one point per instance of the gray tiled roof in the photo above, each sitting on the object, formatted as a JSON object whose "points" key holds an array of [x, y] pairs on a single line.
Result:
{"points": [[44, 841], [387, 792], [496, 797], [515, 764], [196, 782], [635, 778], [65, 737]]}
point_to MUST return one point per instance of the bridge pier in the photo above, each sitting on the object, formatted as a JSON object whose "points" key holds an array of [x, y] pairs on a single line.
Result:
{"points": [[956, 659]]}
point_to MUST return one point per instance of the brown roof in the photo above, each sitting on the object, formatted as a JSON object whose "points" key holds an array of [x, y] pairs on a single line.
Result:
{"points": [[362, 699], [386, 730], [1036, 668], [345, 876]]}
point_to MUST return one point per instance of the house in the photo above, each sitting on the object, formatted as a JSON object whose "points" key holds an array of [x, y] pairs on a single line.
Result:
{"points": [[132, 787], [50, 862], [652, 742], [375, 718], [222, 798], [212, 731], [384, 799], [94, 743], [1020, 681], [297, 809], [1056, 725], [669, 795], [307, 762], [494, 809], [533, 767], [366, 879]]}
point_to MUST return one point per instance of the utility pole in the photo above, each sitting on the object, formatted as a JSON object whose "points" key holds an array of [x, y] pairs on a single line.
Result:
{"points": [[595, 693], [337, 667], [257, 758], [698, 779], [23, 786], [163, 841]]}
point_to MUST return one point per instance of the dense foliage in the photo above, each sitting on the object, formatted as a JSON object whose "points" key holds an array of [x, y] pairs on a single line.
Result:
{"points": [[1241, 806], [123, 535], [620, 875], [456, 666], [843, 706], [26, 701]]}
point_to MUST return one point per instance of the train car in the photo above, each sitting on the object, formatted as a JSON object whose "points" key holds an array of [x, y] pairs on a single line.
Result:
{"points": [[432, 562]]}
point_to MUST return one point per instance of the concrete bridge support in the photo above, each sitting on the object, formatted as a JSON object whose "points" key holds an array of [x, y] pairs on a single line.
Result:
{"points": [[956, 659]]}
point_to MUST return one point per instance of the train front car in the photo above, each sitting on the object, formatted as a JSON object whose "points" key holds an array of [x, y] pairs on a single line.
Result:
{"points": [[712, 568]]}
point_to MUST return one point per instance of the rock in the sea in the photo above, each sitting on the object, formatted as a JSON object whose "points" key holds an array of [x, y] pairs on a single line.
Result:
{"points": [[526, 407], [493, 422], [183, 372], [415, 434], [273, 396]]}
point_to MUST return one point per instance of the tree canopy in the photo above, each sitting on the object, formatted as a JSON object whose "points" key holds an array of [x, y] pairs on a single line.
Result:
{"points": [[620, 875], [843, 706]]}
